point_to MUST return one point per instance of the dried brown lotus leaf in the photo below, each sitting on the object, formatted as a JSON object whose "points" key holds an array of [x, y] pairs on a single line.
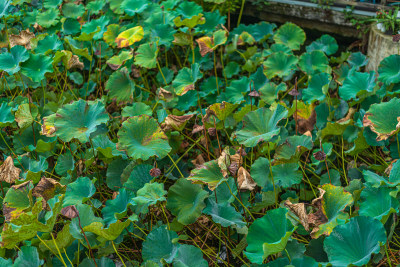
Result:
{"points": [[197, 128], [177, 122], [23, 39], [47, 188], [199, 161], [75, 63], [299, 209], [165, 94], [224, 161], [70, 212], [8, 172], [245, 182]]}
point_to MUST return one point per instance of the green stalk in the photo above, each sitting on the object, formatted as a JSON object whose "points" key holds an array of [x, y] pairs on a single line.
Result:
{"points": [[241, 12]]}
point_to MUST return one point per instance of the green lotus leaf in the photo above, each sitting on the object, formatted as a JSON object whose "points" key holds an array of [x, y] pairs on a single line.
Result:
{"points": [[18, 198], [138, 177], [279, 64], [164, 33], [79, 119], [6, 116], [114, 172], [378, 203], [269, 92], [222, 110], [355, 83], [186, 201], [107, 148], [149, 195], [236, 91], [63, 240], [325, 43], [72, 10], [304, 262], [287, 174], [188, 9], [9, 62], [25, 115], [70, 26], [136, 109], [120, 85], [48, 18], [5, 262], [189, 22], [37, 66], [268, 235], [94, 25], [33, 169], [117, 208], [86, 219], [4, 7], [26, 225], [186, 79], [260, 125], [383, 118], [142, 138], [317, 88], [224, 214], [146, 55], [354, 242], [159, 245], [102, 262], [117, 61], [188, 256], [78, 47], [95, 6], [389, 70], [209, 174], [113, 231], [133, 7], [129, 37], [28, 257], [49, 43], [79, 191], [334, 200], [65, 163], [293, 146], [357, 60], [290, 35], [315, 61], [259, 31], [261, 174]]}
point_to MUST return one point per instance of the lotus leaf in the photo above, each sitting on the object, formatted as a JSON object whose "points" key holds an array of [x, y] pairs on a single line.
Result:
{"points": [[383, 119], [354, 242], [291, 35], [186, 201], [79, 119], [261, 125], [142, 138], [36, 67], [312, 62], [146, 55], [279, 64], [325, 43], [268, 235], [9, 62], [79, 191], [120, 85], [159, 246], [130, 36]]}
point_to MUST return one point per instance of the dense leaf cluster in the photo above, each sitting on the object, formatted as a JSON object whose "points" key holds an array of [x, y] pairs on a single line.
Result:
{"points": [[146, 133]]}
